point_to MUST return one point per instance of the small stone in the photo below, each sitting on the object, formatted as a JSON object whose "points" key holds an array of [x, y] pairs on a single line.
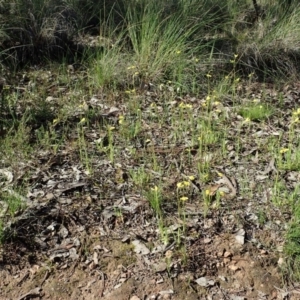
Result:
{"points": [[203, 281], [167, 292], [160, 267], [240, 237], [232, 297]]}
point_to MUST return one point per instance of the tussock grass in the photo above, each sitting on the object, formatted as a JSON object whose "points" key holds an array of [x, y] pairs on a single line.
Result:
{"points": [[271, 45]]}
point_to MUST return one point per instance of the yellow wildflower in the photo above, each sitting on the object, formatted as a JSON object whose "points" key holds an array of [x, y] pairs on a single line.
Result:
{"points": [[183, 105], [155, 189], [121, 119], [183, 199], [130, 91], [82, 121], [296, 112], [284, 150], [183, 184], [180, 185]]}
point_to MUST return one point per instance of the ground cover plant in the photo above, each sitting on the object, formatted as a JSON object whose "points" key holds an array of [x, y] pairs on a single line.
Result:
{"points": [[149, 150]]}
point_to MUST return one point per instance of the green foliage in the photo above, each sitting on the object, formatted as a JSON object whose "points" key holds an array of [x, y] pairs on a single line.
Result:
{"points": [[292, 246], [256, 111], [32, 30], [14, 204]]}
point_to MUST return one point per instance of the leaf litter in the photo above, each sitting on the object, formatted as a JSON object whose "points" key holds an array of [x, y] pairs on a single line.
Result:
{"points": [[94, 233]]}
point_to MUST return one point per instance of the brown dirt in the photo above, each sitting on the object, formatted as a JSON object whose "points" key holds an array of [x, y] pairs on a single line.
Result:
{"points": [[119, 273]]}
